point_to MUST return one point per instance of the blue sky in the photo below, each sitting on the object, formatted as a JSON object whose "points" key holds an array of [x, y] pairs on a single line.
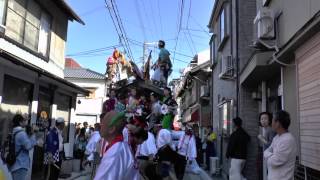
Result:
{"points": [[159, 19]]}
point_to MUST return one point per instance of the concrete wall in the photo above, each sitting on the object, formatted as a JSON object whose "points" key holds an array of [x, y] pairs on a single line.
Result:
{"points": [[249, 113], [290, 96], [89, 107], [290, 21], [247, 13], [227, 88]]}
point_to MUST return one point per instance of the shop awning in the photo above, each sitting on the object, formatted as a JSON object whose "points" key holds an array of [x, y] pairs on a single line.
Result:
{"points": [[18, 61]]}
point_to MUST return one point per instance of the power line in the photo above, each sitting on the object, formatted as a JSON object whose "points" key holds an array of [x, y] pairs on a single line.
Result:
{"points": [[160, 18], [179, 29], [93, 50], [192, 42], [140, 18], [197, 30], [89, 12], [199, 25], [189, 13], [124, 33], [152, 34], [138, 43], [119, 27], [192, 50], [154, 20]]}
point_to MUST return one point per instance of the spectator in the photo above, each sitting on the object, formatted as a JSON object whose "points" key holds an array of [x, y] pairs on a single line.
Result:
{"points": [[237, 150], [77, 131], [268, 133], [92, 143], [281, 154], [24, 142], [54, 153], [199, 147], [80, 146], [266, 136], [210, 148]]}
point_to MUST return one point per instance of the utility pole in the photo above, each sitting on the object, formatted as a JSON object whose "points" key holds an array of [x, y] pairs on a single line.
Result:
{"points": [[145, 53]]}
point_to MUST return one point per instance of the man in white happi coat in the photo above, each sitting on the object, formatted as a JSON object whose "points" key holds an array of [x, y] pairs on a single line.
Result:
{"points": [[145, 154], [166, 154], [91, 147], [118, 161], [187, 152], [281, 154]]}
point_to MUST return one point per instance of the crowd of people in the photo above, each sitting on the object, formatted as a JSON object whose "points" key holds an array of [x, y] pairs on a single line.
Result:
{"points": [[137, 134], [135, 140], [278, 146]]}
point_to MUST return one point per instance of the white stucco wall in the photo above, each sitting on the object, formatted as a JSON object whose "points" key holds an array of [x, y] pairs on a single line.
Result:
{"points": [[89, 106]]}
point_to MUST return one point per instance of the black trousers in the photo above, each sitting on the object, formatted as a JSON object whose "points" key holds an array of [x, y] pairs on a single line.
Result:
{"points": [[180, 166], [54, 172]]}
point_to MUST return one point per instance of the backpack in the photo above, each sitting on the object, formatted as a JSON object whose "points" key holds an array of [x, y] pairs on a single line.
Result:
{"points": [[11, 156]]}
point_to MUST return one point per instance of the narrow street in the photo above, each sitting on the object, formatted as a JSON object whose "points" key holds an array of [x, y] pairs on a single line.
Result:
{"points": [[149, 89], [188, 176]]}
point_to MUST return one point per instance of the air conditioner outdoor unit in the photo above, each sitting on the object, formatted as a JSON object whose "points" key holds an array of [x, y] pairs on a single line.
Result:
{"points": [[204, 91], [227, 68], [265, 24]]}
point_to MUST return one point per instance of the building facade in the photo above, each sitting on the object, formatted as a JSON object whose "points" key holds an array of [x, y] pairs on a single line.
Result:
{"points": [[272, 59], [295, 54], [88, 107], [193, 94], [231, 25], [32, 42]]}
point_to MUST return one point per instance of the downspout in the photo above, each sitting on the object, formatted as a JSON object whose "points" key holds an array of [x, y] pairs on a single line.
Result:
{"points": [[237, 57]]}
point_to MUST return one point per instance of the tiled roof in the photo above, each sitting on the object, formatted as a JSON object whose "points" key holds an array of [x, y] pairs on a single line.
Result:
{"points": [[82, 73], [71, 63]]}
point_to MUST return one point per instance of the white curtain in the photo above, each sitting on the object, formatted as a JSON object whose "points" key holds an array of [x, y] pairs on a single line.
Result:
{"points": [[44, 34]]}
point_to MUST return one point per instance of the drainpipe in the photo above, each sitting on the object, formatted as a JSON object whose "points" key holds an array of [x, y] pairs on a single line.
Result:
{"points": [[237, 57]]}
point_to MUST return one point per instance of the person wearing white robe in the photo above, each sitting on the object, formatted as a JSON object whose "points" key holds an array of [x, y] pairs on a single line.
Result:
{"points": [[166, 153], [118, 161], [187, 152], [281, 154], [91, 147], [145, 153], [125, 133], [147, 148]]}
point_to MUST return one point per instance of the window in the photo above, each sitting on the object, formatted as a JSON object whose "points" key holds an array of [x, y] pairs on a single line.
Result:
{"points": [[223, 28], [213, 49], [29, 25], [2, 11], [17, 98], [92, 93], [222, 25], [225, 111]]}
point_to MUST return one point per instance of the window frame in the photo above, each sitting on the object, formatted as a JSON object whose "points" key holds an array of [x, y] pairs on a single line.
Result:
{"points": [[4, 15], [21, 44], [213, 49], [222, 39]]}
